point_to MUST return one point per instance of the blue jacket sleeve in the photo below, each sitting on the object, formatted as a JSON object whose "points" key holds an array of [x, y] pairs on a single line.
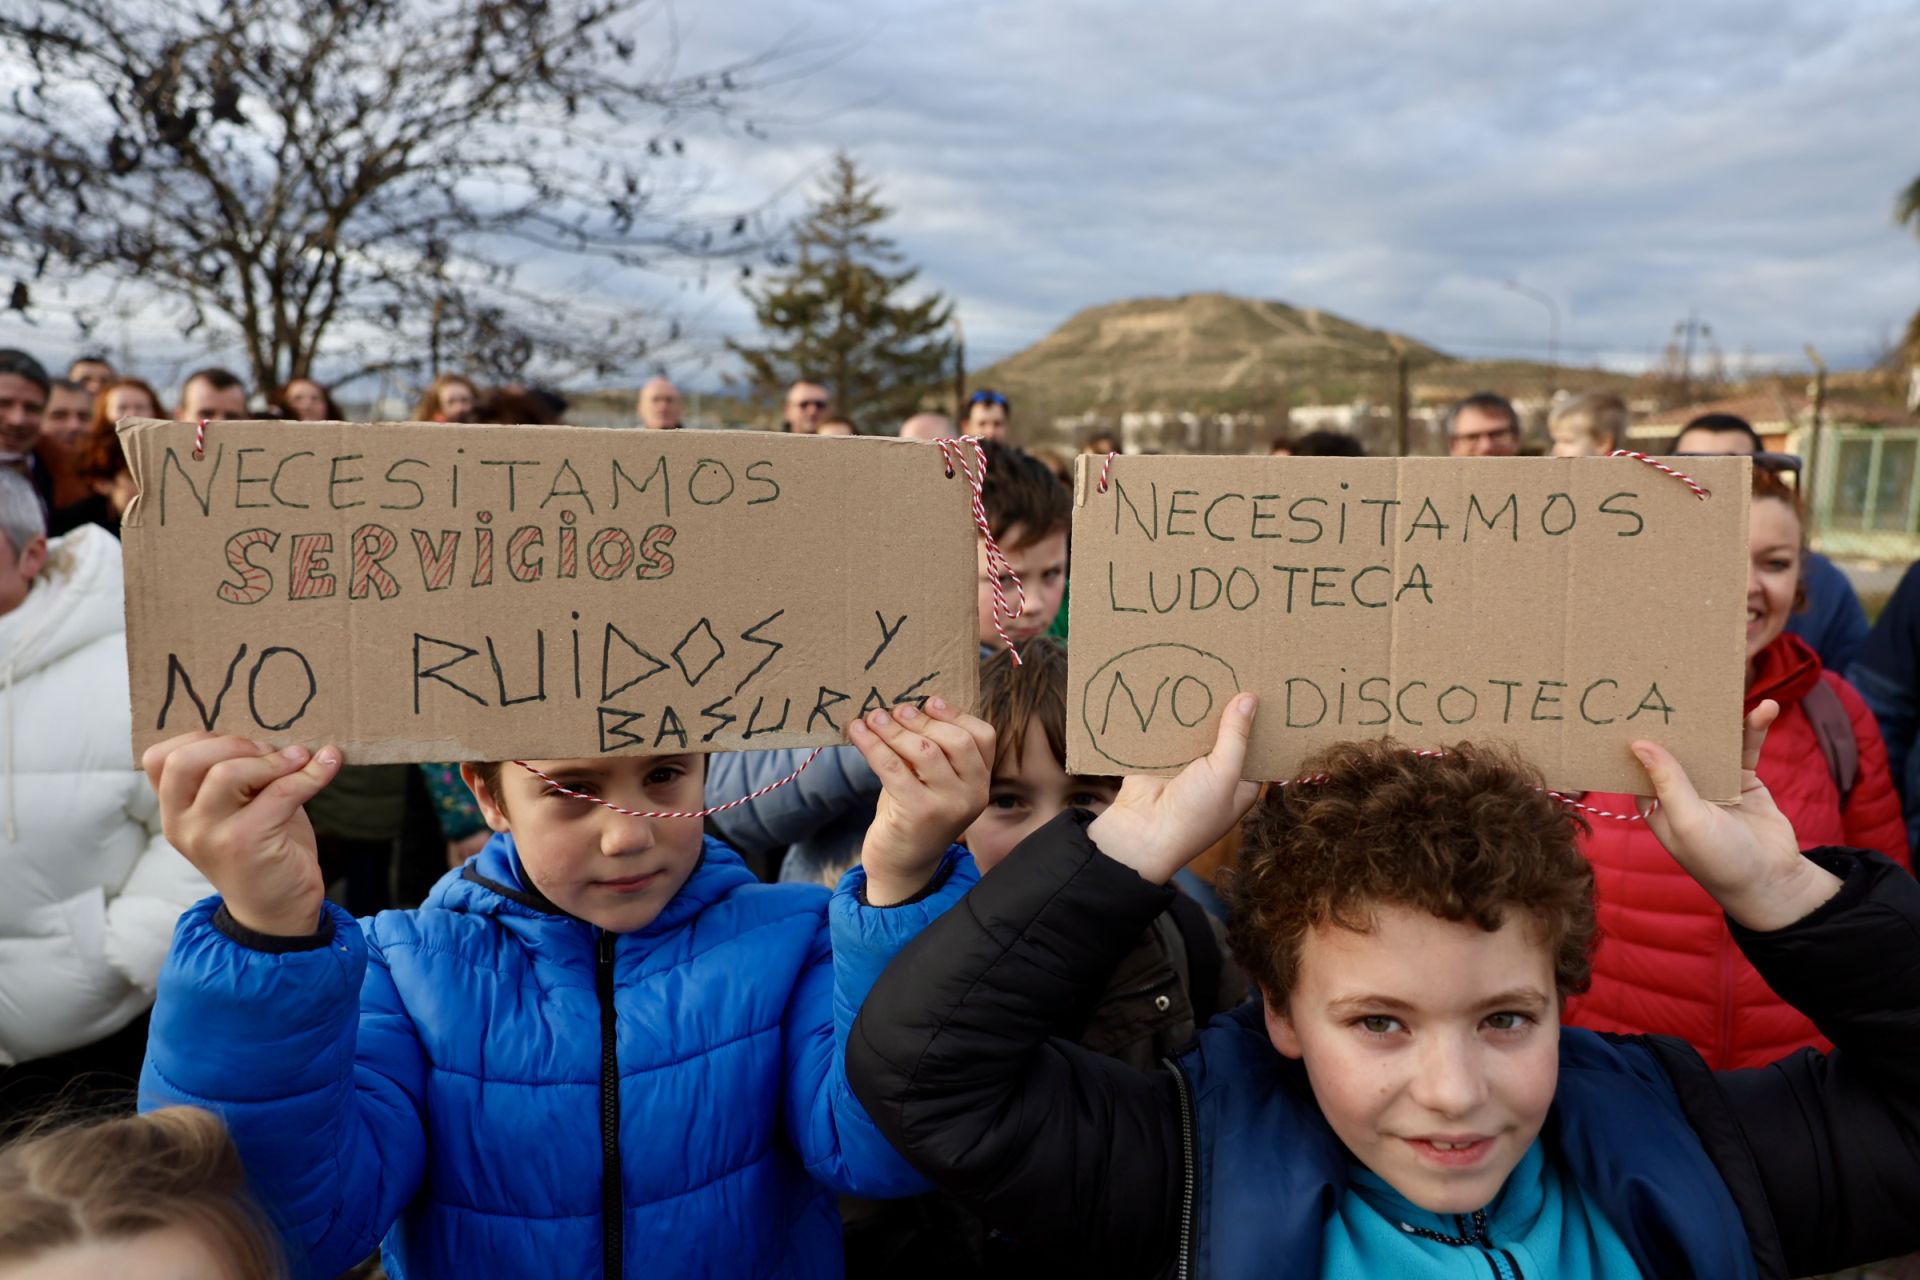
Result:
{"points": [[1834, 622], [835, 784], [1886, 671], [312, 1062], [831, 1130]]}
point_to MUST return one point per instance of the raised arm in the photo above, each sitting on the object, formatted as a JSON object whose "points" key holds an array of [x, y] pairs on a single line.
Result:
{"points": [[275, 1012], [952, 1055], [303, 1048]]}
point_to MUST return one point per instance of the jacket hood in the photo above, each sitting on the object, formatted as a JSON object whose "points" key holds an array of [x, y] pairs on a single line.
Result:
{"points": [[493, 882], [76, 600], [1785, 671]]}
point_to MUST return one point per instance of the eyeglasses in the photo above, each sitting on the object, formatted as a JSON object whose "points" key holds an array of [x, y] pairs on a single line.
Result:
{"points": [[988, 397]]}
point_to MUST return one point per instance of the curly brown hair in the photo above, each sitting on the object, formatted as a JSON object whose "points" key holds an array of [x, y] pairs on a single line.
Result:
{"points": [[1465, 835]]}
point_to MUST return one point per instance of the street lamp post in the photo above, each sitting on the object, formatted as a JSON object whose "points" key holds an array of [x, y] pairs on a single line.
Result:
{"points": [[1553, 330]]}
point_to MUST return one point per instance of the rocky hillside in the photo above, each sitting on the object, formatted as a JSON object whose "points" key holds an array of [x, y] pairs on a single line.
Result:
{"points": [[1202, 349]]}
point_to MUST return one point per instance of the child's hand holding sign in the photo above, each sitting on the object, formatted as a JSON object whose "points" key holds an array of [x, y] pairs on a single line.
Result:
{"points": [[233, 807], [1159, 825], [934, 767], [1745, 855]]}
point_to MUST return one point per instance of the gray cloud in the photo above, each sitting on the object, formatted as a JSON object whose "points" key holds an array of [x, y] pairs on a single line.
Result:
{"points": [[1392, 161]]}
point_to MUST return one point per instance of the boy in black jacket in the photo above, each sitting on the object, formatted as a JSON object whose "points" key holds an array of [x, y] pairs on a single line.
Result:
{"points": [[1404, 1101]]}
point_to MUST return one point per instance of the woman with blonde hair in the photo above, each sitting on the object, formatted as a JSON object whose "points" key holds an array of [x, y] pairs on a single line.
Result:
{"points": [[450, 399], [134, 1197]]}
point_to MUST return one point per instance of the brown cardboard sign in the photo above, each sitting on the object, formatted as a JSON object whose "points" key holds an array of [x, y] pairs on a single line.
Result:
{"points": [[1566, 606], [417, 592]]}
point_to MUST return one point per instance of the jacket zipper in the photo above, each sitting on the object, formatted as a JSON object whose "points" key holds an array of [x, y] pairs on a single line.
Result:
{"points": [[612, 1210], [1188, 1174]]}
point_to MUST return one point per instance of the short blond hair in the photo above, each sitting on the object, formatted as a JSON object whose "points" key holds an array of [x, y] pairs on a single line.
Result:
{"points": [[1600, 415], [119, 1179]]}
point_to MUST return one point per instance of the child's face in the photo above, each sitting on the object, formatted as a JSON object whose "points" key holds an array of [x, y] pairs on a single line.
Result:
{"points": [[169, 1253], [1042, 566], [1773, 571], [1027, 793], [1573, 441], [1425, 1032], [604, 867]]}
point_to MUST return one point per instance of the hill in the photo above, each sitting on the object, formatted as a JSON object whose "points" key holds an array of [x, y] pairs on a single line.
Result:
{"points": [[1216, 352], [1208, 350]]}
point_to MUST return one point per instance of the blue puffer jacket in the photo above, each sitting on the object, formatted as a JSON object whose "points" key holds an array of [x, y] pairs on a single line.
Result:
{"points": [[434, 1077]]}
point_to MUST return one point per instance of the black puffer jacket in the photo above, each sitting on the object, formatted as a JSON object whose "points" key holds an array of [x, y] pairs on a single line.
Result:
{"points": [[1818, 1156]]}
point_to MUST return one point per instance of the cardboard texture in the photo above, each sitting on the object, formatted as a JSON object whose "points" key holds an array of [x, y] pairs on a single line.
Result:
{"points": [[1566, 606], [420, 592]]}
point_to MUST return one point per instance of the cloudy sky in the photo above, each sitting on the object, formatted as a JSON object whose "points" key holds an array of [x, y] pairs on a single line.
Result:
{"points": [[1394, 162]]}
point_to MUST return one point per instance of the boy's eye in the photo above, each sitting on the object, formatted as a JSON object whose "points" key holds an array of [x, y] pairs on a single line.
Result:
{"points": [[1006, 803], [664, 774], [1508, 1021], [576, 787], [1089, 800], [1378, 1024]]}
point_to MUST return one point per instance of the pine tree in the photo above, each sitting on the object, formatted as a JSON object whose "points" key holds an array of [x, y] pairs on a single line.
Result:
{"points": [[836, 315]]}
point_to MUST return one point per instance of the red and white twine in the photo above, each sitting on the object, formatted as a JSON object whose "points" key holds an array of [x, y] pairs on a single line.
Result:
{"points": [[625, 812], [997, 566], [1429, 753], [200, 440], [1699, 490]]}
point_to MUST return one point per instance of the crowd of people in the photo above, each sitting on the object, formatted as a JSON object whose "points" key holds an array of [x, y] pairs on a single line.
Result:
{"points": [[939, 1006]]}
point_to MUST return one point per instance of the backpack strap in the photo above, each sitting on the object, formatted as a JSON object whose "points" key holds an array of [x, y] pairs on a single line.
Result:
{"points": [[1833, 729], [1204, 961]]}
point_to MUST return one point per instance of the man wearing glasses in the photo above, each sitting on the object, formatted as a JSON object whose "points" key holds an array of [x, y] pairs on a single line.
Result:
{"points": [[1484, 425], [987, 413], [807, 406], [1832, 620]]}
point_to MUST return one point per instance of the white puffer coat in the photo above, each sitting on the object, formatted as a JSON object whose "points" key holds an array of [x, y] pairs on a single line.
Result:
{"points": [[89, 888]]}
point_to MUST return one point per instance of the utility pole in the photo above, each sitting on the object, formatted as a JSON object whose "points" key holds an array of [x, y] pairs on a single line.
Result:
{"points": [[1402, 429], [959, 372], [1807, 491], [1687, 330]]}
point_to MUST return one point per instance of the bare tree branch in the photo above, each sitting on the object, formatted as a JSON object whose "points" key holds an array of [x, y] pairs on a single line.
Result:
{"points": [[319, 178]]}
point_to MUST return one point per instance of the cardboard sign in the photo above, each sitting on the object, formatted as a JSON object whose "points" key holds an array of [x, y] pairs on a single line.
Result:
{"points": [[424, 592], [1566, 606]]}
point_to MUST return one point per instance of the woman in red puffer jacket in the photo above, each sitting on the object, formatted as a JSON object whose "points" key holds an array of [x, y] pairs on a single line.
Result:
{"points": [[1667, 963]]}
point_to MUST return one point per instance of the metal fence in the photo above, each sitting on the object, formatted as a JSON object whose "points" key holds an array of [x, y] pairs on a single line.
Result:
{"points": [[1863, 499]]}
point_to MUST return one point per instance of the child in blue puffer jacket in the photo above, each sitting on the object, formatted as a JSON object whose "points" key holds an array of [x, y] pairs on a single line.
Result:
{"points": [[599, 1048]]}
